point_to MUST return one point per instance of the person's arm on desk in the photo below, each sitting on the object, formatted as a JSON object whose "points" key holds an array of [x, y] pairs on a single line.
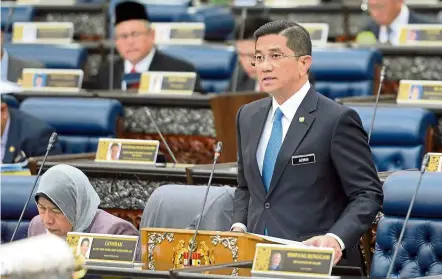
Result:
{"points": [[242, 195]]}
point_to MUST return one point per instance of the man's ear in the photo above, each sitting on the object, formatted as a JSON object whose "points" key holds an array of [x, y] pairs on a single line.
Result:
{"points": [[306, 63]]}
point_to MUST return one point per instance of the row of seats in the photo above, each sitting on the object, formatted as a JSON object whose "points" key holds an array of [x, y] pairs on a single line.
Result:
{"points": [[399, 139], [420, 253], [354, 75], [80, 123], [219, 21]]}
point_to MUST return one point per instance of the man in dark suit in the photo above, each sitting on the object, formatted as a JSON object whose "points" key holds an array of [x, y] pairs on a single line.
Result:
{"points": [[135, 39], [305, 169], [12, 67], [23, 136], [387, 16]]}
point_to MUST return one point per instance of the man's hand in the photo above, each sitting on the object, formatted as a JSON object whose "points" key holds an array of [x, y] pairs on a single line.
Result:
{"points": [[328, 242], [237, 229]]}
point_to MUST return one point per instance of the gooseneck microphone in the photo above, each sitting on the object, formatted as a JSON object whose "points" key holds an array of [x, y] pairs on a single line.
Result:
{"points": [[377, 102], [424, 165], [51, 143], [112, 53], [147, 111], [192, 244]]}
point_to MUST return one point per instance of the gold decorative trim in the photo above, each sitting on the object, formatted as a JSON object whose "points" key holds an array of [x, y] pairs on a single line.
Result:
{"points": [[230, 243], [154, 239]]}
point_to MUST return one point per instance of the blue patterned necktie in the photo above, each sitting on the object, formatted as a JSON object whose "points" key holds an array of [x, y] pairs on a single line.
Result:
{"points": [[272, 149]]}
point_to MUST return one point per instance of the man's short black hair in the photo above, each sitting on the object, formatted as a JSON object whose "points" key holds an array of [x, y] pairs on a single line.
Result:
{"points": [[298, 38], [250, 25], [85, 240]]}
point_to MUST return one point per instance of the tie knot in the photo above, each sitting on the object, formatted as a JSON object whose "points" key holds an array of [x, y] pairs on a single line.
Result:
{"points": [[278, 115]]}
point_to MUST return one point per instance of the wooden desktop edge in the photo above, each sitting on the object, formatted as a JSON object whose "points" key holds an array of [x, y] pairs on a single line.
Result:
{"points": [[35, 162]]}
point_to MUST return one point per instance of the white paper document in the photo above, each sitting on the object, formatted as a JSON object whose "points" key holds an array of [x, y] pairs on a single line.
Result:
{"points": [[279, 240]]}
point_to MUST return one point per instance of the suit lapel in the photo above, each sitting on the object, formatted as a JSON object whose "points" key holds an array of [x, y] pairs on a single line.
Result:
{"points": [[257, 124], [13, 143], [299, 127]]}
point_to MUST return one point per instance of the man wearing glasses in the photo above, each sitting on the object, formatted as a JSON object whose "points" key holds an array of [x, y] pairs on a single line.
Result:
{"points": [[305, 170], [135, 42]]}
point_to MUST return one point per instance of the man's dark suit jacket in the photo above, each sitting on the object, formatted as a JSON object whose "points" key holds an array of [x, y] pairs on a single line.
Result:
{"points": [[27, 134], [339, 193], [414, 18], [160, 63]]}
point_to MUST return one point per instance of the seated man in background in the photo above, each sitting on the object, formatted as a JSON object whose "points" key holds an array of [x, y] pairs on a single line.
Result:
{"points": [[245, 48], [24, 136], [67, 202], [12, 67], [135, 42], [387, 16]]}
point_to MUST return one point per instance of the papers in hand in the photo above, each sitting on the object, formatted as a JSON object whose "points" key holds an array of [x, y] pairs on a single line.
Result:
{"points": [[9, 87], [280, 240]]}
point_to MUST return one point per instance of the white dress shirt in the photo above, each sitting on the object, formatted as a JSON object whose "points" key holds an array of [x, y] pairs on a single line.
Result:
{"points": [[140, 67], [288, 109], [395, 25], [4, 67]]}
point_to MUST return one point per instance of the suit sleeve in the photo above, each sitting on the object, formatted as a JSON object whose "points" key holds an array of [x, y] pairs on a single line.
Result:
{"points": [[352, 158], [242, 195]]}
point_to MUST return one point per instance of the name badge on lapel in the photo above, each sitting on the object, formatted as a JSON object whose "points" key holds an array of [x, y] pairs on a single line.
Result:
{"points": [[303, 159]]}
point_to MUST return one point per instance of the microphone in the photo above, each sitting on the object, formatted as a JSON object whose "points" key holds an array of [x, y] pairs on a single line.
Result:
{"points": [[242, 29], [377, 101], [112, 53], [147, 111], [192, 244], [424, 165], [52, 140]]}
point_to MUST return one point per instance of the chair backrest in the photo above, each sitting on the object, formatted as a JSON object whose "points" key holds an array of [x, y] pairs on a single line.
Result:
{"points": [[13, 13], [79, 122], [14, 193], [399, 136], [219, 21], [71, 56], [214, 64], [169, 207], [420, 252], [345, 72]]}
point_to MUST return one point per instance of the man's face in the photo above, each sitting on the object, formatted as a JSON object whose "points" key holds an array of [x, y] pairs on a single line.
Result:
{"points": [[415, 93], [279, 72], [39, 81], [246, 51], [276, 259], [114, 153], [53, 219], [84, 247], [4, 116], [134, 40], [384, 11]]}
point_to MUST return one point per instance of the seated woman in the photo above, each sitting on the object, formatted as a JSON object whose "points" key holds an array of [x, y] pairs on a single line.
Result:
{"points": [[67, 202]]}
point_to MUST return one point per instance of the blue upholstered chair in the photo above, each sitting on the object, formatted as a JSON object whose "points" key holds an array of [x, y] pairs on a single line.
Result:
{"points": [[400, 137], [345, 72], [420, 253], [215, 64], [70, 56], [14, 193], [79, 122], [14, 13], [219, 21]]}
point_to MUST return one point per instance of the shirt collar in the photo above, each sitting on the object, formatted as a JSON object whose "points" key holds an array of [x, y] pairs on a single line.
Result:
{"points": [[290, 106], [401, 19], [141, 66]]}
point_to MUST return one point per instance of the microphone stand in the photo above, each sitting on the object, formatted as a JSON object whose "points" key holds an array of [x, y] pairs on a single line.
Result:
{"points": [[147, 111], [425, 162], [192, 244], [377, 101], [52, 140], [112, 53]]}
